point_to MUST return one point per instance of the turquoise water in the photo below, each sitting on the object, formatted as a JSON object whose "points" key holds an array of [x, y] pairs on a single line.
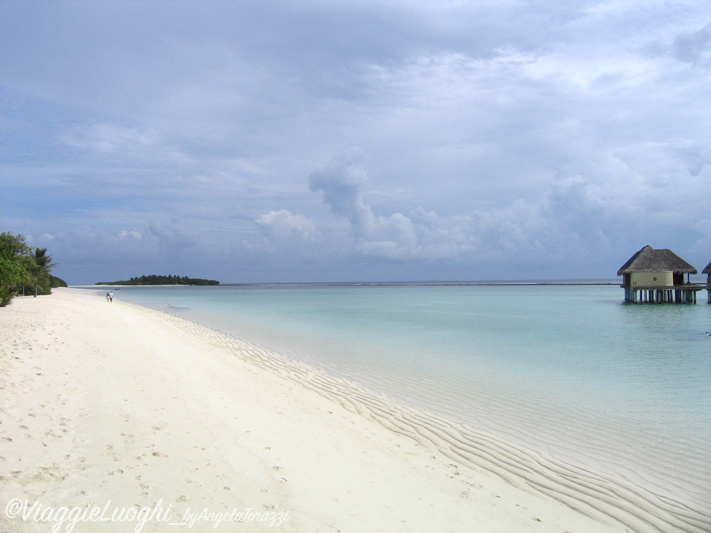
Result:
{"points": [[578, 344], [564, 369]]}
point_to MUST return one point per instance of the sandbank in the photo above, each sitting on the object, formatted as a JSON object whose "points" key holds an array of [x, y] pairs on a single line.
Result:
{"points": [[144, 421]]}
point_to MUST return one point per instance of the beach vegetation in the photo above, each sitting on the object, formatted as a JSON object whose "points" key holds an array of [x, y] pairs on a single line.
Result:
{"points": [[24, 269], [154, 279], [14, 261], [39, 266]]}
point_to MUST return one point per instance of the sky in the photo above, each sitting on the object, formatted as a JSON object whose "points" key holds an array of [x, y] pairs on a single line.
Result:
{"points": [[355, 140]]}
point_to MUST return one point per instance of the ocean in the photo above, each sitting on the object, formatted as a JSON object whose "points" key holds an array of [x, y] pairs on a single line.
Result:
{"points": [[567, 374]]}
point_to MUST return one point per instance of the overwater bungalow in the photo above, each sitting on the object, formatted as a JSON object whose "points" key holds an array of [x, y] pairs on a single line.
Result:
{"points": [[658, 276]]}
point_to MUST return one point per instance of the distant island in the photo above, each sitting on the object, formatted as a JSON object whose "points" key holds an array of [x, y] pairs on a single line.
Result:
{"points": [[161, 280]]}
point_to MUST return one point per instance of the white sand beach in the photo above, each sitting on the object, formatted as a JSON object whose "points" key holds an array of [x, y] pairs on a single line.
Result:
{"points": [[142, 421]]}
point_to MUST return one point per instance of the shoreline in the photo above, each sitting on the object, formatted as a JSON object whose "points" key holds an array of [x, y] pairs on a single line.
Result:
{"points": [[159, 391], [483, 283]]}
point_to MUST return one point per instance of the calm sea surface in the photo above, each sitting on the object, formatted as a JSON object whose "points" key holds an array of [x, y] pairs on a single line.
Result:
{"points": [[565, 369]]}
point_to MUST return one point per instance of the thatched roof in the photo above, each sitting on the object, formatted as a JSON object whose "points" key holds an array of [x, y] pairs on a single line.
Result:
{"points": [[650, 260], [707, 270]]}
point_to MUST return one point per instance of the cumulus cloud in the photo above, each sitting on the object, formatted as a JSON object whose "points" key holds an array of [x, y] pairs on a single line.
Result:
{"points": [[285, 226], [575, 220], [418, 235], [694, 47], [127, 234], [342, 183], [568, 216]]}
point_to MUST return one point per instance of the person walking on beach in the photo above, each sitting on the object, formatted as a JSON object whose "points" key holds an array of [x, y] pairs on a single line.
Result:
{"points": [[107, 296], [111, 296]]}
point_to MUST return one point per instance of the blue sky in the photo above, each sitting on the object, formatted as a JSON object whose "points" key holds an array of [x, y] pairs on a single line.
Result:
{"points": [[352, 140]]}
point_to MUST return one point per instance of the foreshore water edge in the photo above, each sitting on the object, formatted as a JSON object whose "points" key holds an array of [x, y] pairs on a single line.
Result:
{"points": [[116, 402]]}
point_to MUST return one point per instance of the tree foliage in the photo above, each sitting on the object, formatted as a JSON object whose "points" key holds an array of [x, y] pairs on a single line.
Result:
{"points": [[14, 260], [22, 268], [154, 279], [39, 268]]}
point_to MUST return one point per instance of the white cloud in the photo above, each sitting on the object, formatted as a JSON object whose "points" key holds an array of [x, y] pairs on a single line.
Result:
{"points": [[342, 183], [285, 226], [109, 138], [136, 235], [694, 47]]}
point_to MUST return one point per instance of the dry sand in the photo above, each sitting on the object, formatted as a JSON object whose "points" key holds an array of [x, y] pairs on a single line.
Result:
{"points": [[144, 422]]}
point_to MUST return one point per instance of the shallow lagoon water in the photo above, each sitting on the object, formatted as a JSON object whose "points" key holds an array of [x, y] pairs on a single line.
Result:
{"points": [[572, 344], [569, 371]]}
